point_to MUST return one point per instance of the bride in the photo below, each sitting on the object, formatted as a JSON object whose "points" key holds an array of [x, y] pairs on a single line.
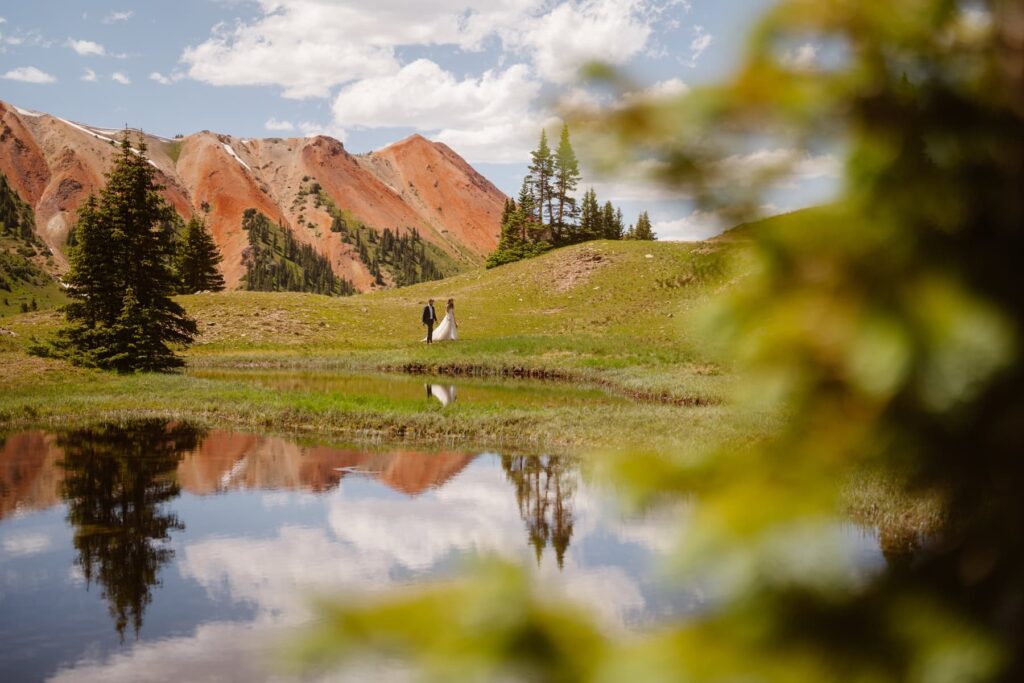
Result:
{"points": [[448, 328]]}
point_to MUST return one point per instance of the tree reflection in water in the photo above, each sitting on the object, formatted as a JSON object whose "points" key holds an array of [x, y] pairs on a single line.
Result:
{"points": [[117, 480], [545, 486]]}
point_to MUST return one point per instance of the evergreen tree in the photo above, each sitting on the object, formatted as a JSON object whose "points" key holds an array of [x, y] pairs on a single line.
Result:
{"points": [[643, 230], [540, 174], [521, 234], [566, 178], [620, 225], [611, 228], [197, 260], [122, 316], [590, 219]]}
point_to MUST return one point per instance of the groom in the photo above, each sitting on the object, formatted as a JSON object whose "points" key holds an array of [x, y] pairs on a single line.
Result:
{"points": [[429, 318]]}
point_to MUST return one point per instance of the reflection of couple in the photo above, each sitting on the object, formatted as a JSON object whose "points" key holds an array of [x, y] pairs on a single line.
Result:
{"points": [[444, 394], [448, 327]]}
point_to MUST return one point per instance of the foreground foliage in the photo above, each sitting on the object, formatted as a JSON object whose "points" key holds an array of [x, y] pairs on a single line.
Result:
{"points": [[891, 334]]}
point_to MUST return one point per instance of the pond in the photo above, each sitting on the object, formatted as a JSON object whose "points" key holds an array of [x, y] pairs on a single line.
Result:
{"points": [[495, 392], [156, 550]]}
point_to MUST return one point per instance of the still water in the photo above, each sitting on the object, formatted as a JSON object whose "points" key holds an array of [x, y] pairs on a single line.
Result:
{"points": [[158, 551]]}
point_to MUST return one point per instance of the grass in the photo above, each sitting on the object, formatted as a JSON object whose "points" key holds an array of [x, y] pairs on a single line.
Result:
{"points": [[607, 317]]}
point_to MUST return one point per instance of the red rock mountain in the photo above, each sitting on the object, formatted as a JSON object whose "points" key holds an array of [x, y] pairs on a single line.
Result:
{"points": [[54, 164]]}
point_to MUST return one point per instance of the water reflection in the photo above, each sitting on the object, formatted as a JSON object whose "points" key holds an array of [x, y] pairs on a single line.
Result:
{"points": [[209, 545], [117, 482], [544, 486], [443, 393]]}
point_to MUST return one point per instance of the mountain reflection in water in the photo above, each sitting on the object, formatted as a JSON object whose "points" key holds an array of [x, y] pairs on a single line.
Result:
{"points": [[157, 551], [117, 482]]}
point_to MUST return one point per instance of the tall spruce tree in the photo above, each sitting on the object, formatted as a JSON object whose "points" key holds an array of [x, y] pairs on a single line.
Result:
{"points": [[121, 316], [197, 259], [566, 178], [540, 174]]}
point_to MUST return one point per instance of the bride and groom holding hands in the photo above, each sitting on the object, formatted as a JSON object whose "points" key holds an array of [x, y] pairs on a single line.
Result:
{"points": [[447, 329]]}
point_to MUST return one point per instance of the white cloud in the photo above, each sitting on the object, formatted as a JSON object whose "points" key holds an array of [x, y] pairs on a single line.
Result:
{"points": [[88, 75], [574, 33], [701, 41], [118, 16], [163, 79], [29, 74], [702, 225], [274, 124], [119, 77], [313, 128], [86, 48], [349, 50], [783, 166], [634, 182], [486, 119], [26, 543], [671, 87], [306, 47], [802, 58], [667, 88]]}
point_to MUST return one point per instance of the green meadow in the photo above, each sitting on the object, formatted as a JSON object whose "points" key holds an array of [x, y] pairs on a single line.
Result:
{"points": [[603, 325]]}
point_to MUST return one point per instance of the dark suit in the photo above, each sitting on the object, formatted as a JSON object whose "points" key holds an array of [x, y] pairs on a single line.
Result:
{"points": [[429, 318]]}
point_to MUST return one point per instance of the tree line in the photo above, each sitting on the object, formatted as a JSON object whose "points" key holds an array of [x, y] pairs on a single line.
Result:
{"points": [[546, 213], [403, 254], [277, 262]]}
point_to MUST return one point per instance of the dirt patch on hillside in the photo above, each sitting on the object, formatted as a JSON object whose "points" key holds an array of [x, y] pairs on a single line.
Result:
{"points": [[577, 268]]}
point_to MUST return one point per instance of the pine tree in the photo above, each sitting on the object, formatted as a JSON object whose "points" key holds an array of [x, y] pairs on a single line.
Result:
{"points": [[197, 260], [620, 225], [643, 230], [122, 316], [540, 178], [566, 178]]}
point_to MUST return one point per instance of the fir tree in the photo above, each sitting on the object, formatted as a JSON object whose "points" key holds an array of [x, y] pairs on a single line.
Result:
{"points": [[643, 230], [590, 219], [197, 260], [611, 226], [567, 177], [122, 316]]}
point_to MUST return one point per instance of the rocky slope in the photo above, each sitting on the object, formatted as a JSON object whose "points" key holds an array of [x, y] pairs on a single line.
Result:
{"points": [[54, 164]]}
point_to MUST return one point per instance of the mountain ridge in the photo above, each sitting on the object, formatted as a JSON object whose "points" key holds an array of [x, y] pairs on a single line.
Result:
{"points": [[54, 164]]}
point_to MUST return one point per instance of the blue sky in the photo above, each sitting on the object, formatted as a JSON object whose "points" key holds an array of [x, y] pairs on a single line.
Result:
{"points": [[480, 75]]}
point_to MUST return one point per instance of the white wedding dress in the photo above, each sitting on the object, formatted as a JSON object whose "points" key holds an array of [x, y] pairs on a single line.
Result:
{"points": [[446, 329]]}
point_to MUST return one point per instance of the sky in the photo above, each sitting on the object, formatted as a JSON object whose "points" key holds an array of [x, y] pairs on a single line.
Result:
{"points": [[482, 76]]}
